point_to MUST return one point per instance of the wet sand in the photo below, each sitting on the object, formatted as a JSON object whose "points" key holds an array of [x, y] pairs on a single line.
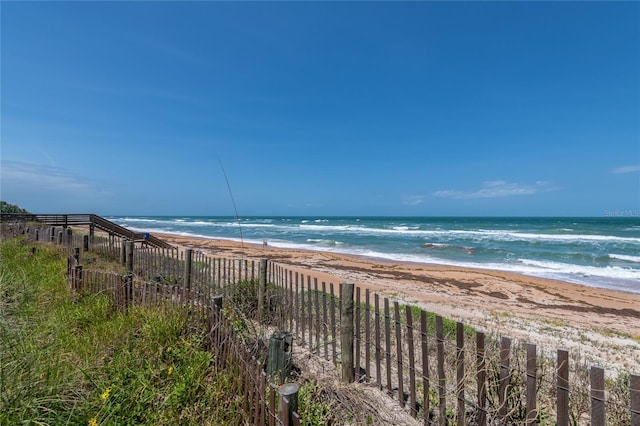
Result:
{"points": [[603, 324]]}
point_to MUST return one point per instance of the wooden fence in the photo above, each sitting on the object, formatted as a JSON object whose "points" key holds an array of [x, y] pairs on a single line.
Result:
{"points": [[440, 371]]}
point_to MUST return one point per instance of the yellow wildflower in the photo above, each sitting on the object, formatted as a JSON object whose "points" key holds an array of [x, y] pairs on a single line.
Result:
{"points": [[170, 370], [93, 421], [106, 393]]}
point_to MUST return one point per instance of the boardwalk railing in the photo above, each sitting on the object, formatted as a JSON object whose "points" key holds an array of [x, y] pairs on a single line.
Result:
{"points": [[440, 371]]}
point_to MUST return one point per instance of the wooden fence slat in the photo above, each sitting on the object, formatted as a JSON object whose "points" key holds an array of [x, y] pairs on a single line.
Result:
{"points": [[505, 355], [460, 371], [302, 309], [442, 401], [325, 327], [413, 409], [332, 308], [481, 379], [425, 366], [532, 408], [310, 308], [318, 311], [597, 396], [634, 385], [377, 341], [367, 336], [562, 388], [357, 335], [398, 329], [387, 343]]}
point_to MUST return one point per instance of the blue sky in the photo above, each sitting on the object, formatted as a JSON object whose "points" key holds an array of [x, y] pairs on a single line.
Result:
{"points": [[321, 108]]}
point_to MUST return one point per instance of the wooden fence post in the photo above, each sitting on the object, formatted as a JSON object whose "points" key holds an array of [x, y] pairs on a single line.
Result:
{"points": [[85, 242], [562, 388], [129, 247], [279, 356], [442, 385], [288, 402], [460, 371], [59, 238], [77, 278], [425, 366], [505, 376], [37, 235], [346, 335], [398, 330], [532, 408], [262, 288], [481, 377], [186, 276], [69, 236], [634, 386], [123, 251], [597, 396]]}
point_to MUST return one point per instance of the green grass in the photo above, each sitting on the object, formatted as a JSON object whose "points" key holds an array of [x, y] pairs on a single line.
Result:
{"points": [[77, 360]]}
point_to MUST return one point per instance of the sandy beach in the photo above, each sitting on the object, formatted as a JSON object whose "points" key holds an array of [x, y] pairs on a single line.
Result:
{"points": [[601, 325]]}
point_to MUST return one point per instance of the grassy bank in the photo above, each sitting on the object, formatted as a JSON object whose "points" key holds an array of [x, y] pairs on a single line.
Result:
{"points": [[67, 360]]}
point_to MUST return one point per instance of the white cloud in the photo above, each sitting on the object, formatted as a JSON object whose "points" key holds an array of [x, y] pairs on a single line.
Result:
{"points": [[413, 200], [497, 188], [626, 169], [19, 175]]}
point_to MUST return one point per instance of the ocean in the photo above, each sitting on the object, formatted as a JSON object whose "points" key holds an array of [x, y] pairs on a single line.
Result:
{"points": [[600, 252]]}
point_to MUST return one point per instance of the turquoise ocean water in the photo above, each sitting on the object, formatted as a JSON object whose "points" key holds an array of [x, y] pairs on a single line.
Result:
{"points": [[601, 252]]}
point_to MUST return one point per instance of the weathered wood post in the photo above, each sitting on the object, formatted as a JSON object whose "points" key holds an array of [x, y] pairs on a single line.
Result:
{"points": [[92, 231], [76, 254], [562, 388], [215, 341], [129, 247], [69, 236], [59, 238], [532, 407], [123, 251], [262, 288], [85, 243], [186, 276], [76, 278], [634, 387], [52, 236], [597, 396], [346, 332], [37, 235], [288, 402], [279, 356]]}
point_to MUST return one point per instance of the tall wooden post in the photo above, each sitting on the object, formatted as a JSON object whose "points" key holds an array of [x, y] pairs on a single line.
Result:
{"points": [[279, 356], [129, 280], [288, 402], [123, 251], [59, 238], [262, 288], [346, 329], [92, 231], [69, 235], [186, 278], [85, 242]]}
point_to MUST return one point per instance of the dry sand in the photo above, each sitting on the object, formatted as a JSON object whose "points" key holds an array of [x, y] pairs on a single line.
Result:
{"points": [[601, 326]]}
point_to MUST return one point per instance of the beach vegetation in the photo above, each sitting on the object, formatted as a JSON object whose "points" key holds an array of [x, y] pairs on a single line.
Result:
{"points": [[11, 208], [67, 360]]}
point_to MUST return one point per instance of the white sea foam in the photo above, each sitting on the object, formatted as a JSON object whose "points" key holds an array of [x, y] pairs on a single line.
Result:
{"points": [[584, 270], [635, 259]]}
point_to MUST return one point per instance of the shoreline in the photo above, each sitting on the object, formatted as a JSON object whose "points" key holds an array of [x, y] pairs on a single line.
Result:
{"points": [[602, 324]]}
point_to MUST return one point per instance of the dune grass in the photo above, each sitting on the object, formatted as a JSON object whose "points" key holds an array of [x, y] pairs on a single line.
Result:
{"points": [[77, 360]]}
